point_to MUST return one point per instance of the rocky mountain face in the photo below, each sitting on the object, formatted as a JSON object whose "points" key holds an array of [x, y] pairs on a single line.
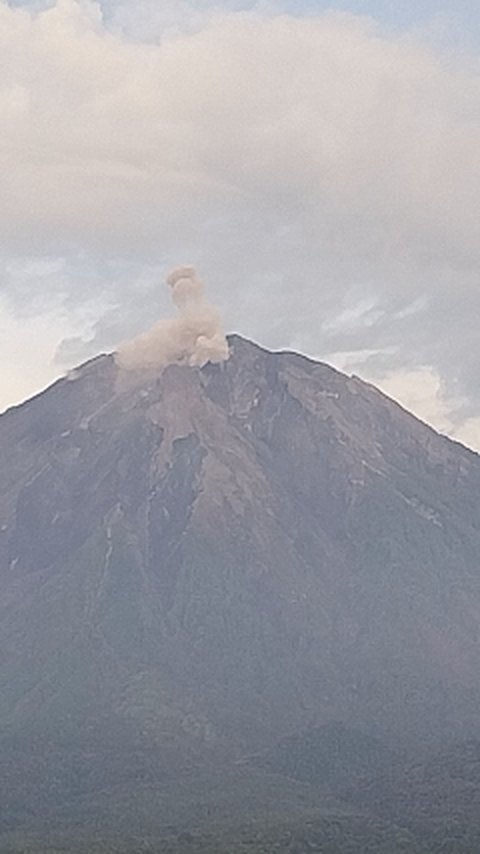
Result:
{"points": [[213, 559], [258, 544]]}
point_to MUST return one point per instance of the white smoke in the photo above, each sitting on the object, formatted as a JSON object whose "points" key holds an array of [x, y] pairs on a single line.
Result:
{"points": [[193, 337]]}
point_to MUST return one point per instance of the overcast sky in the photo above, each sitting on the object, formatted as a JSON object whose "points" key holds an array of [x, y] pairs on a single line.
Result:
{"points": [[318, 163]]}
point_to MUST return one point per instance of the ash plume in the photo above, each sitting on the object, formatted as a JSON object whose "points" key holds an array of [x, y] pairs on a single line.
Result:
{"points": [[193, 337]]}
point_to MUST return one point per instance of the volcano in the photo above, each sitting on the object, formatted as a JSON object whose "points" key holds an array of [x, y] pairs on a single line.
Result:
{"points": [[198, 563]]}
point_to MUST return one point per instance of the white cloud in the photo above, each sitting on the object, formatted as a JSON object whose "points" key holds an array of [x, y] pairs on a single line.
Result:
{"points": [[421, 391], [469, 433], [27, 348], [322, 175], [105, 140]]}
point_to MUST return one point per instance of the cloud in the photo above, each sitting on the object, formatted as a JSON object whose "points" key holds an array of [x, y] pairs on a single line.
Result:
{"points": [[253, 109], [421, 390], [26, 352], [322, 173], [151, 21]]}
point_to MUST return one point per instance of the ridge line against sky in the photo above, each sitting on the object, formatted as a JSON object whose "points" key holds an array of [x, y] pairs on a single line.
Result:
{"points": [[317, 162]]}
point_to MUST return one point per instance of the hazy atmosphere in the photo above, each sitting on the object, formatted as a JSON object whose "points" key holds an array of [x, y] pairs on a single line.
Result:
{"points": [[317, 163]]}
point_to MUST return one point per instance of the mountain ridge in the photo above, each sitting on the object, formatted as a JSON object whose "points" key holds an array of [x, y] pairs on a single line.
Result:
{"points": [[210, 560]]}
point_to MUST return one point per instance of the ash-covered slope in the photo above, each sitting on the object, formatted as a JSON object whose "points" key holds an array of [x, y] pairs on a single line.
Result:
{"points": [[215, 558]]}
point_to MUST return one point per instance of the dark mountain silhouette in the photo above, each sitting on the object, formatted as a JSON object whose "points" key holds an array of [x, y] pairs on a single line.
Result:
{"points": [[198, 565]]}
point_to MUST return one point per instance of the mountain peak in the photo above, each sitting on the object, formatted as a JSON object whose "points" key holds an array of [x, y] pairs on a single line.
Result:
{"points": [[263, 539], [198, 562]]}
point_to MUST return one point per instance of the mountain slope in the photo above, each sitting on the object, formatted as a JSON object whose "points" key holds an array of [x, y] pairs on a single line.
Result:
{"points": [[197, 564], [243, 548]]}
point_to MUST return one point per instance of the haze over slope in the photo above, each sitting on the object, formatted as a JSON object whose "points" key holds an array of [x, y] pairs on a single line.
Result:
{"points": [[209, 559]]}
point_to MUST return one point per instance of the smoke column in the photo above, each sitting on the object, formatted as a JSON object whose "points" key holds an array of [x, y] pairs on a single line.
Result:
{"points": [[193, 337]]}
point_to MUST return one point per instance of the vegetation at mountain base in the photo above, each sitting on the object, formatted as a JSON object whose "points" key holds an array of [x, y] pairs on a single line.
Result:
{"points": [[357, 799], [335, 835]]}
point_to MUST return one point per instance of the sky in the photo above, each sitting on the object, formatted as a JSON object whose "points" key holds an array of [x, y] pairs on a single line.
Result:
{"points": [[318, 163]]}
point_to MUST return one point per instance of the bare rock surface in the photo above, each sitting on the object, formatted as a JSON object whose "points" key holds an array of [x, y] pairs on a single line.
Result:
{"points": [[212, 559]]}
